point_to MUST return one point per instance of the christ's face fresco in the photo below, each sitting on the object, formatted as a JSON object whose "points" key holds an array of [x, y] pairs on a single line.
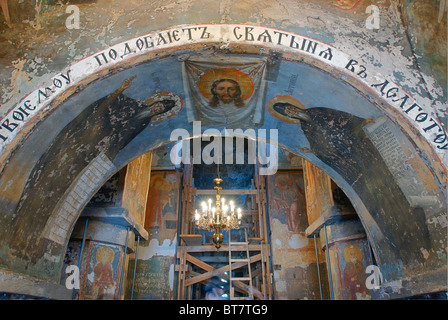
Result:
{"points": [[226, 91]]}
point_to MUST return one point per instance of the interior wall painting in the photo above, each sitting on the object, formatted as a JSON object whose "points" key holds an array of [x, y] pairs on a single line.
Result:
{"points": [[104, 127], [101, 277], [161, 157], [319, 195], [293, 254], [162, 205], [222, 93], [288, 201], [349, 278], [288, 160], [332, 135], [137, 180], [154, 277], [346, 4], [283, 107]]}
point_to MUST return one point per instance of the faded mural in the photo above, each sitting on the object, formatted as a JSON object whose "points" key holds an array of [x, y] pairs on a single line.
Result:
{"points": [[318, 196], [104, 127], [339, 140], [154, 277], [293, 254], [102, 272], [223, 93], [349, 262], [231, 93]]}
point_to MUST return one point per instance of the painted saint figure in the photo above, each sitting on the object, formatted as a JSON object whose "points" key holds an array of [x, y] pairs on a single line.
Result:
{"points": [[104, 127], [154, 205], [354, 273], [103, 275], [291, 201], [227, 107], [337, 138]]}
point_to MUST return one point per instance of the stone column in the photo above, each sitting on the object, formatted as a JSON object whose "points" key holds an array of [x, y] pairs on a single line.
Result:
{"points": [[104, 236], [104, 248], [348, 255]]}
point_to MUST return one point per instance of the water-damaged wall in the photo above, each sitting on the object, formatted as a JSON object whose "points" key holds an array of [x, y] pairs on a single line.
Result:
{"points": [[372, 110]]}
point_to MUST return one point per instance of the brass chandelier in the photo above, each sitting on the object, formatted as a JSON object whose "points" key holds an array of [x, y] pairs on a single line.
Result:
{"points": [[219, 217]]}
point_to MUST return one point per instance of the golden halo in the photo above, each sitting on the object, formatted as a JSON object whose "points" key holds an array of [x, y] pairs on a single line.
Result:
{"points": [[105, 255], [355, 249], [283, 182], [284, 99], [207, 79]]}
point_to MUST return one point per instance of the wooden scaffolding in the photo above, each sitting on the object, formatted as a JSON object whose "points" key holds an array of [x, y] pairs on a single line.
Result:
{"points": [[243, 264]]}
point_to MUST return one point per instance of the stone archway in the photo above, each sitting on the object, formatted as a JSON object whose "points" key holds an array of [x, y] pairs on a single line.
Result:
{"points": [[83, 142]]}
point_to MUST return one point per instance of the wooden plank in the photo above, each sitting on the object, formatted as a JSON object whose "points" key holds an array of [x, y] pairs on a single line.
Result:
{"points": [[224, 247], [192, 239], [199, 263], [220, 271], [223, 192], [255, 240], [181, 284]]}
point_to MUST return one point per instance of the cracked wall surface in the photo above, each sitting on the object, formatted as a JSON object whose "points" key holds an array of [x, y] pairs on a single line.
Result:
{"points": [[409, 47]]}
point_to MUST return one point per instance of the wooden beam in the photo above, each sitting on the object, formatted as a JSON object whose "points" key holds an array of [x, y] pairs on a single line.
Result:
{"points": [[219, 271], [223, 192], [224, 247], [199, 263], [4, 6], [192, 239]]}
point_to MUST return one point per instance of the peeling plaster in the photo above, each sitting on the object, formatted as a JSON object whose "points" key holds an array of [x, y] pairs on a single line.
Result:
{"points": [[168, 248]]}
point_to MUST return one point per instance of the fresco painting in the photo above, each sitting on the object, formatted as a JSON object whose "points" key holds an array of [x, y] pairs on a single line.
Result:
{"points": [[293, 254], [154, 277], [102, 277], [104, 127], [318, 196], [288, 160], [161, 157], [345, 4], [288, 201], [333, 135], [223, 93], [162, 205], [136, 184], [350, 260], [230, 94], [283, 107]]}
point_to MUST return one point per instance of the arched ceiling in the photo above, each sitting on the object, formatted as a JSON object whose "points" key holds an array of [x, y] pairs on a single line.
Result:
{"points": [[92, 119], [343, 134]]}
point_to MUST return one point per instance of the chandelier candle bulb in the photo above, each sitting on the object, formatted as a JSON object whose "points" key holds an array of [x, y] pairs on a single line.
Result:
{"points": [[219, 217], [196, 215]]}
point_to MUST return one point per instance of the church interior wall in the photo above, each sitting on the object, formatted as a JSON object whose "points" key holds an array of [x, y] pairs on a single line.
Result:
{"points": [[393, 174]]}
